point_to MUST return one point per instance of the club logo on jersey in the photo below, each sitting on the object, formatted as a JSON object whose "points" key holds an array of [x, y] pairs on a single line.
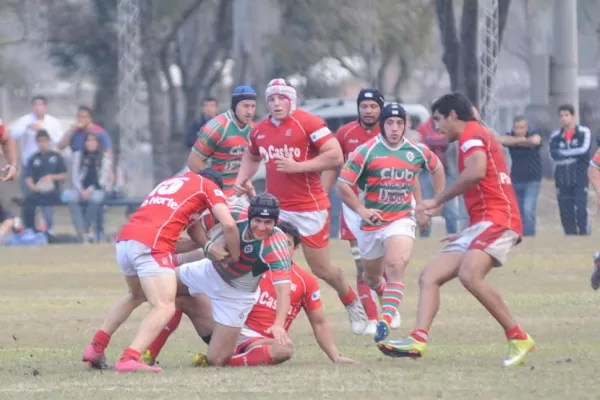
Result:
{"points": [[316, 295], [271, 152], [410, 156], [248, 248], [288, 132], [218, 192], [399, 174]]}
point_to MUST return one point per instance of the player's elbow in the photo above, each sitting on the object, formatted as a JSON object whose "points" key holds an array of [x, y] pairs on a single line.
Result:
{"points": [[337, 158], [195, 162]]}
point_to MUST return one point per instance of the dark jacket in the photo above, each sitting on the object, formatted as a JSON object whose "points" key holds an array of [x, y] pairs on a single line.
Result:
{"points": [[192, 132], [571, 158]]}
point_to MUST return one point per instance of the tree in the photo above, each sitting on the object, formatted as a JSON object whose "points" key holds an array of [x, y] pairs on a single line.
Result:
{"points": [[460, 54], [379, 45], [83, 38]]}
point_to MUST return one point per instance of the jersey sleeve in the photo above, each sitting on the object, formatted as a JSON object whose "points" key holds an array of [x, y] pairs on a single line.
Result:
{"points": [[431, 161], [209, 137], [595, 161], [276, 254], [2, 131], [213, 194], [354, 166], [252, 147], [312, 296], [317, 130], [473, 141]]}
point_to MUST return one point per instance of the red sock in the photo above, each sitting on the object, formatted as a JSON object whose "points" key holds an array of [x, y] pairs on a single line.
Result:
{"points": [[130, 354], [380, 288], [100, 341], [420, 335], [390, 300], [367, 299], [516, 333], [259, 355], [348, 298], [156, 346]]}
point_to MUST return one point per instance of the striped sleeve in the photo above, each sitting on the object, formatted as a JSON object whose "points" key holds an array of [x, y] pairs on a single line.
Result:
{"points": [[209, 137], [595, 161], [353, 168], [276, 254], [432, 161]]}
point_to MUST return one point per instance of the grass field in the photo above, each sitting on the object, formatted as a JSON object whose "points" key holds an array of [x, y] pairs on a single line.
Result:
{"points": [[52, 299]]}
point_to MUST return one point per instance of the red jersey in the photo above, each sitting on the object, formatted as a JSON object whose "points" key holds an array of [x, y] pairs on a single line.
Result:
{"points": [[169, 209], [305, 295], [493, 197], [301, 135], [353, 134], [2, 131]]}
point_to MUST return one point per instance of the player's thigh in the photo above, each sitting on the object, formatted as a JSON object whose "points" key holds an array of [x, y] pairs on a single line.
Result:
{"points": [[398, 242], [443, 268], [199, 310], [135, 287]]}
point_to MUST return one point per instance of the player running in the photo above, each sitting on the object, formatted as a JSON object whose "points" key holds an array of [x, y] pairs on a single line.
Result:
{"points": [[255, 345], [495, 227], [594, 178], [296, 147], [224, 139], [9, 149], [385, 170], [145, 248], [353, 134], [233, 287]]}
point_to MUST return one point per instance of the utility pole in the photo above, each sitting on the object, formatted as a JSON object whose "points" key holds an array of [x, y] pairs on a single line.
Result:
{"points": [[565, 66]]}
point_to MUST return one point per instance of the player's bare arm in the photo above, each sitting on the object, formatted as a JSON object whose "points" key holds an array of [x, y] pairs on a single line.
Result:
{"points": [[594, 177], [249, 167], [330, 157], [328, 178], [9, 149], [195, 161], [283, 290], [474, 171], [230, 229], [324, 336]]}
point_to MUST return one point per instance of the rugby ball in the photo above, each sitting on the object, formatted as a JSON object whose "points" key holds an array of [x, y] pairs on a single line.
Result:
{"points": [[216, 234]]}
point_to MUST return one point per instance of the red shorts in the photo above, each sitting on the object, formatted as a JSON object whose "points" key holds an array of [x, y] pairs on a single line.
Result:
{"points": [[313, 226], [246, 338]]}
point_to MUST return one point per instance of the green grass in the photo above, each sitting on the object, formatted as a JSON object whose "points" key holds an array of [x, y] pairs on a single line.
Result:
{"points": [[52, 299]]}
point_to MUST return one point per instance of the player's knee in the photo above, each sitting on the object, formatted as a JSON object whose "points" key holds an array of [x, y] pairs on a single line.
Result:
{"points": [[467, 277], [218, 359], [428, 279], [281, 353], [137, 295]]}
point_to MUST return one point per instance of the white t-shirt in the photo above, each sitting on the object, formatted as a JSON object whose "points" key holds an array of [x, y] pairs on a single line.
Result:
{"points": [[21, 132]]}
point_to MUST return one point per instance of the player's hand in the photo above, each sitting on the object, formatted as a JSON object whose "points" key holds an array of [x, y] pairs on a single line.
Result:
{"points": [[423, 221], [279, 334], [344, 360], [217, 252], [9, 173], [371, 216], [451, 237], [287, 164], [241, 188], [429, 207]]}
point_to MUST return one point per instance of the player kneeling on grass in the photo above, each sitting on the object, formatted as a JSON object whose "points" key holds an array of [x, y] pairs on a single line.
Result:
{"points": [[385, 169], [256, 345], [145, 252], [495, 227], [232, 288]]}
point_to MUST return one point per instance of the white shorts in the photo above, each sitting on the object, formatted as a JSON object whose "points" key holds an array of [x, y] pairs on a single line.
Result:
{"points": [[487, 236], [351, 221], [313, 226], [370, 243], [247, 337], [230, 306], [137, 259]]}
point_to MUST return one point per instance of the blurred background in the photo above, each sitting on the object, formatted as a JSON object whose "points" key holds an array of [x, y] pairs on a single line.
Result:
{"points": [[145, 67]]}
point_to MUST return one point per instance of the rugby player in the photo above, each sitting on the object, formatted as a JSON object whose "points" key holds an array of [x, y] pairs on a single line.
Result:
{"points": [[145, 248], [296, 147], [494, 229], [385, 169]]}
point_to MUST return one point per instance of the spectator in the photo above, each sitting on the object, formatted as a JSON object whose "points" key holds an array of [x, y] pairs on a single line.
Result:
{"points": [[45, 171], [526, 171], [438, 144], [91, 178], [76, 135], [209, 111], [570, 151], [25, 130]]}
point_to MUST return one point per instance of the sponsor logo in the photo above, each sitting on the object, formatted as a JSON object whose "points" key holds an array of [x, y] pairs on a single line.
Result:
{"points": [[271, 152], [399, 174], [393, 196], [161, 201], [237, 151], [504, 179]]}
